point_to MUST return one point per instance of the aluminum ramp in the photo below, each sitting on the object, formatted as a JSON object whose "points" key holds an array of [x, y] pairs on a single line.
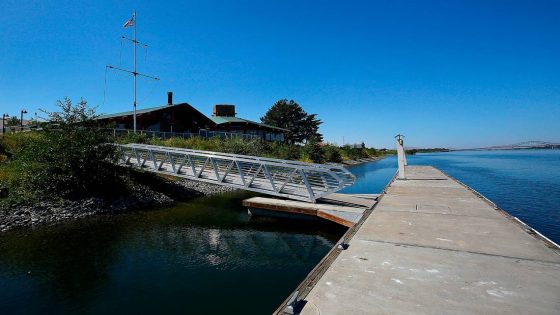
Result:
{"points": [[281, 178]]}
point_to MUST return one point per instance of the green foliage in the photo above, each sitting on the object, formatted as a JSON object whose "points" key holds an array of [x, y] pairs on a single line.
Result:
{"points": [[289, 115], [313, 151], [332, 154], [67, 160], [133, 138], [13, 121]]}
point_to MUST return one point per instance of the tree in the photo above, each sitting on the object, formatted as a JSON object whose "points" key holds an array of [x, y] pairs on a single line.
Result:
{"points": [[289, 115], [12, 121], [70, 158]]}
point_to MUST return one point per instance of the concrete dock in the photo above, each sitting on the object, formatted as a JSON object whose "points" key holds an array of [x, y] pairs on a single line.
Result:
{"points": [[433, 246]]}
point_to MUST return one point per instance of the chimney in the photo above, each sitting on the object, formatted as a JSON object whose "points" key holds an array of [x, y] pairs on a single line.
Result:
{"points": [[169, 98], [224, 110]]}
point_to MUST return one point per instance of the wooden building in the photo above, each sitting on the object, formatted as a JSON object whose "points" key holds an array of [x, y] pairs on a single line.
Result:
{"points": [[180, 117]]}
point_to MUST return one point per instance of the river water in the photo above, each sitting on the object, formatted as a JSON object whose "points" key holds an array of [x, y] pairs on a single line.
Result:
{"points": [[525, 183], [209, 257]]}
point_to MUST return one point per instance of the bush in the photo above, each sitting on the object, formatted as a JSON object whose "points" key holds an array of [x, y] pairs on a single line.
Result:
{"points": [[313, 152], [332, 154], [74, 160]]}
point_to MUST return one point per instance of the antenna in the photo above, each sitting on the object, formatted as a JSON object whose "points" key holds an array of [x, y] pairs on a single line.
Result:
{"points": [[132, 22]]}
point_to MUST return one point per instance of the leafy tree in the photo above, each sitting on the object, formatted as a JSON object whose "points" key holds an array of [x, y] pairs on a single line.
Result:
{"points": [[13, 121], [69, 158], [290, 115]]}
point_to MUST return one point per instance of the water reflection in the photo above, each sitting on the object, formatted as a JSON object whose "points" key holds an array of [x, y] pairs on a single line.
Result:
{"points": [[206, 256]]}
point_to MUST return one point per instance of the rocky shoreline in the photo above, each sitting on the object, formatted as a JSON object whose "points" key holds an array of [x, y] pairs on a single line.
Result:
{"points": [[361, 161], [140, 197]]}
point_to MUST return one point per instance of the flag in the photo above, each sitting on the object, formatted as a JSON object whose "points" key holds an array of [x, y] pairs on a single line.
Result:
{"points": [[129, 23]]}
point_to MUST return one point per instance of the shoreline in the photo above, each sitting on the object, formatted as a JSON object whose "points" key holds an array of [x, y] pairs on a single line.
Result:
{"points": [[362, 161], [140, 198]]}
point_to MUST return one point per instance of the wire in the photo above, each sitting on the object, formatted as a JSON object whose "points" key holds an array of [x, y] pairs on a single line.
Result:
{"points": [[150, 93]]}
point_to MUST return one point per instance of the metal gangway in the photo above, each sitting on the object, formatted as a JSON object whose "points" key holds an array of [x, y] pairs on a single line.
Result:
{"points": [[283, 178]]}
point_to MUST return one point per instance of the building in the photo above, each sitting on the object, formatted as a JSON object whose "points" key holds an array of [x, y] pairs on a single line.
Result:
{"points": [[183, 118], [180, 117], [224, 116]]}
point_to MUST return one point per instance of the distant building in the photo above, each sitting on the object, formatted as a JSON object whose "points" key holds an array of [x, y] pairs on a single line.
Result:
{"points": [[167, 118], [179, 118], [224, 116]]}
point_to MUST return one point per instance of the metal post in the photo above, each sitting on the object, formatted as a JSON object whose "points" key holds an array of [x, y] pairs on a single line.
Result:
{"points": [[134, 71], [401, 158], [4, 123], [23, 111]]}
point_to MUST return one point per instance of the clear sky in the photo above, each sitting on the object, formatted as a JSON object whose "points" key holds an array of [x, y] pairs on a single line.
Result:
{"points": [[444, 73]]}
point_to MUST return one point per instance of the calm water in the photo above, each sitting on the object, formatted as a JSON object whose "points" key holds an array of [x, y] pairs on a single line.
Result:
{"points": [[525, 183], [203, 257], [209, 257]]}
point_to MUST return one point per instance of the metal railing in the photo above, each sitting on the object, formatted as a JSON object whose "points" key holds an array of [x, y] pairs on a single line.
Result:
{"points": [[283, 178], [202, 133]]}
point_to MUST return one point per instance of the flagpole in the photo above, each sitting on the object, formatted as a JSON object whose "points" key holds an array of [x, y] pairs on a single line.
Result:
{"points": [[134, 71], [132, 22]]}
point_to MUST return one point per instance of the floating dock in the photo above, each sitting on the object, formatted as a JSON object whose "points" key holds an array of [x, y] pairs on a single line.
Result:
{"points": [[432, 245], [339, 208]]}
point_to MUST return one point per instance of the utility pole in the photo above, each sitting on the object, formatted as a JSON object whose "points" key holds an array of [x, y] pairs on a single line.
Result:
{"points": [[4, 123], [23, 111], [132, 22]]}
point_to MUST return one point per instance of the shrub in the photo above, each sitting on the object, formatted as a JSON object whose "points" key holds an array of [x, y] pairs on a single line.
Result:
{"points": [[332, 154], [313, 152], [74, 160]]}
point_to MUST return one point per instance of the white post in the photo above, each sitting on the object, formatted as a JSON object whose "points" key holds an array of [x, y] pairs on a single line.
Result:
{"points": [[401, 158], [404, 155]]}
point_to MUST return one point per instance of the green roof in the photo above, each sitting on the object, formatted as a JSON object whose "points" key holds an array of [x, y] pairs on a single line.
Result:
{"points": [[227, 119]]}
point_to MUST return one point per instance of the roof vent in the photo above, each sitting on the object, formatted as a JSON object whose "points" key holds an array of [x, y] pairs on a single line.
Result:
{"points": [[224, 110]]}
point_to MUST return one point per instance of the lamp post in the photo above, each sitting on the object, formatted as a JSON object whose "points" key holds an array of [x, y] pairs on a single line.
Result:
{"points": [[23, 111], [4, 116]]}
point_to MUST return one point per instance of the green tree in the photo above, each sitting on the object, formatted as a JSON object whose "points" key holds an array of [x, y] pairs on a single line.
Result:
{"points": [[13, 121], [290, 115], [70, 158]]}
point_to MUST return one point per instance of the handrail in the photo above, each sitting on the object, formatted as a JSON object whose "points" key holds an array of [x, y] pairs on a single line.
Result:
{"points": [[283, 178]]}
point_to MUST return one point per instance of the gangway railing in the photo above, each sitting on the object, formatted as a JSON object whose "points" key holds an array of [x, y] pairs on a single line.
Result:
{"points": [[283, 178]]}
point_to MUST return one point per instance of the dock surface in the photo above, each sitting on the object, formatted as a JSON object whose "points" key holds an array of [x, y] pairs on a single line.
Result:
{"points": [[433, 246]]}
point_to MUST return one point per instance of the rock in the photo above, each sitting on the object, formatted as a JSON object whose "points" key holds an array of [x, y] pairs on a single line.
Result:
{"points": [[140, 198]]}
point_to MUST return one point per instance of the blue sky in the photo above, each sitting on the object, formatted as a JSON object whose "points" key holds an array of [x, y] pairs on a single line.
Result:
{"points": [[444, 73]]}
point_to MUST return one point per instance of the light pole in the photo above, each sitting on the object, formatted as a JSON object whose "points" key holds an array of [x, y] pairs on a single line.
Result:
{"points": [[36, 121], [4, 123], [23, 111]]}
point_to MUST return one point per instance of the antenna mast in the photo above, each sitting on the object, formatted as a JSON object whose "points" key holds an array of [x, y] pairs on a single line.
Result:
{"points": [[132, 22]]}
